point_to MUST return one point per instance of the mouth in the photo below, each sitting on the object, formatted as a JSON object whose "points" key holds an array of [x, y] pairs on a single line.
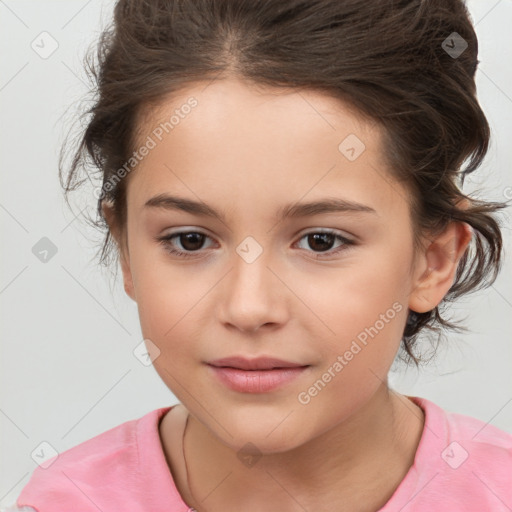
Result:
{"points": [[259, 363], [259, 375]]}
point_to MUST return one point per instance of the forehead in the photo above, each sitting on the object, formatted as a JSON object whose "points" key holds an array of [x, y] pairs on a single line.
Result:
{"points": [[239, 104], [243, 140]]}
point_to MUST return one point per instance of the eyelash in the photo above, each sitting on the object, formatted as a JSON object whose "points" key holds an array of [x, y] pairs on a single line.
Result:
{"points": [[165, 241]]}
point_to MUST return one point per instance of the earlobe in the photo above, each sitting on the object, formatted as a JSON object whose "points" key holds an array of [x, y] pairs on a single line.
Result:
{"points": [[441, 260]]}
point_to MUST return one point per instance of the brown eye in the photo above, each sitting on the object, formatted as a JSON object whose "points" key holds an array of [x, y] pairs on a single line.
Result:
{"points": [[190, 242], [323, 242]]}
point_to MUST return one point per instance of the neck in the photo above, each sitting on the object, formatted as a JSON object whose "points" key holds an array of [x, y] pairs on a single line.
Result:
{"points": [[357, 464]]}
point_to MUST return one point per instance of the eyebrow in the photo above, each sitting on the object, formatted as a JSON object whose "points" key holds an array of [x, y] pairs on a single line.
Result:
{"points": [[292, 210]]}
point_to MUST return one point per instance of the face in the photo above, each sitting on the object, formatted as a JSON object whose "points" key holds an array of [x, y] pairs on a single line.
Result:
{"points": [[329, 290]]}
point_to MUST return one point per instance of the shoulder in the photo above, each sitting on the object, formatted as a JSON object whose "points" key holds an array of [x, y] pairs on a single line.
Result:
{"points": [[462, 464], [466, 460], [96, 471], [482, 440]]}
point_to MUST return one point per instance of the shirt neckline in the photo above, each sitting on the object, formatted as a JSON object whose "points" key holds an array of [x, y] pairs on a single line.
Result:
{"points": [[154, 471]]}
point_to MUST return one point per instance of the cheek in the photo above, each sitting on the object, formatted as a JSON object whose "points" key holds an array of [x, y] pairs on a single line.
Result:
{"points": [[161, 297], [364, 310], [355, 297], [171, 307], [163, 313]]}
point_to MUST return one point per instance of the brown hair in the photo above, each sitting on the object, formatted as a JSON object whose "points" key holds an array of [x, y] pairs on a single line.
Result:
{"points": [[387, 59]]}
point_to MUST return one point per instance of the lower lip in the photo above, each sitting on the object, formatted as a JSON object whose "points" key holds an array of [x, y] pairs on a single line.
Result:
{"points": [[256, 381]]}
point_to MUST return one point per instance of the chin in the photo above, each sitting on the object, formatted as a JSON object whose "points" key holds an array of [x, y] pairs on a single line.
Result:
{"points": [[264, 434]]}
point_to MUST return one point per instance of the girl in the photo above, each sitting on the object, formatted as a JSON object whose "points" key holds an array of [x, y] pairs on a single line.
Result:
{"points": [[313, 150]]}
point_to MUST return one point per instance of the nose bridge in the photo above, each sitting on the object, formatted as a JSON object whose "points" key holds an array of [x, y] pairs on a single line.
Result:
{"points": [[250, 266], [253, 293]]}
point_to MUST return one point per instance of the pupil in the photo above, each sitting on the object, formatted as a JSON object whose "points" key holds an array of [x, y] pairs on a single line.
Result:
{"points": [[191, 237], [322, 238]]}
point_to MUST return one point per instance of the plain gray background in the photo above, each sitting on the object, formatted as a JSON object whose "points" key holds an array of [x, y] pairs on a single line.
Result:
{"points": [[68, 371]]}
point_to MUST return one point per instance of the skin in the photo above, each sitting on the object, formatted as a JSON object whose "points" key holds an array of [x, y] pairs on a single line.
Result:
{"points": [[247, 151]]}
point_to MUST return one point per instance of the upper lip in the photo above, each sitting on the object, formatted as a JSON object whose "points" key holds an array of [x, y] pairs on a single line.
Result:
{"points": [[258, 363]]}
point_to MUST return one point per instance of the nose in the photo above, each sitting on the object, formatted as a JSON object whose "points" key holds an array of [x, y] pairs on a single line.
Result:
{"points": [[253, 295]]}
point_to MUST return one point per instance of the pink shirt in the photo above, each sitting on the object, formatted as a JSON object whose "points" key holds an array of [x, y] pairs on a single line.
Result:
{"points": [[461, 464]]}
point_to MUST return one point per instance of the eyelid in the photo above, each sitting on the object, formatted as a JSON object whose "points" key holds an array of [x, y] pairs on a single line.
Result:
{"points": [[183, 231], [331, 231]]}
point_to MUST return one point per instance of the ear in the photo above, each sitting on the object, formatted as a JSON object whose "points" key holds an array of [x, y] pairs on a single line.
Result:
{"points": [[438, 265], [124, 257]]}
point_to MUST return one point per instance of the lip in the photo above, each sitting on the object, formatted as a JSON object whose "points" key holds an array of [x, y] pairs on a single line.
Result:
{"points": [[258, 363], [260, 375]]}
